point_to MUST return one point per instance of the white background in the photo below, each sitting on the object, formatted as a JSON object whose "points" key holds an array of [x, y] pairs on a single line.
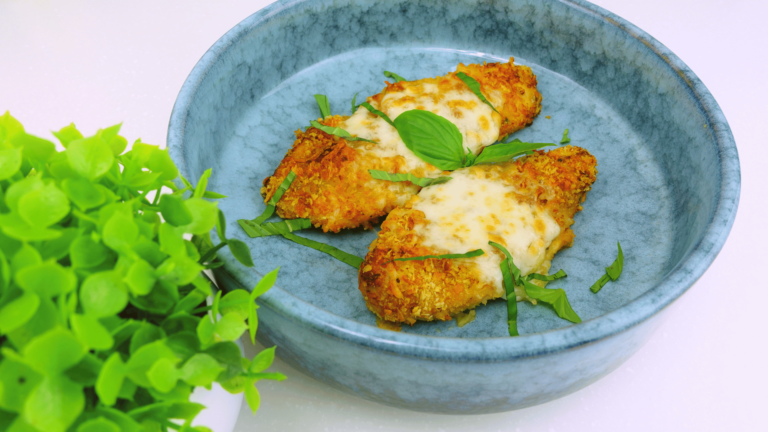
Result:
{"points": [[98, 63]]}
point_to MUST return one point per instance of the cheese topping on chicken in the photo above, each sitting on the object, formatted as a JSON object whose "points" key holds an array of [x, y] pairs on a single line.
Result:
{"points": [[468, 211]]}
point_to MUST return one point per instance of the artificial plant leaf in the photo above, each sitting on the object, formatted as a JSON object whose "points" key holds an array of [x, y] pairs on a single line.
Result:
{"points": [[47, 279], [54, 404], [43, 207], [90, 157], [230, 327], [204, 215], [10, 162], [54, 351], [140, 277], [110, 379], [174, 211], [91, 332], [103, 294], [263, 360], [16, 313], [163, 375], [200, 370], [85, 252], [99, 424], [236, 301], [17, 380], [241, 252], [142, 360], [59, 248], [67, 134], [252, 397]]}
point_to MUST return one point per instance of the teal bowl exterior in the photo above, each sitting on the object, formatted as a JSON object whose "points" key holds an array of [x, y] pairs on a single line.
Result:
{"points": [[668, 187]]}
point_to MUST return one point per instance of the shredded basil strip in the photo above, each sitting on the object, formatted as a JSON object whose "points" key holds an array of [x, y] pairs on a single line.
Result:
{"points": [[394, 76], [509, 289], [612, 272], [270, 210], [503, 152], [560, 274], [277, 228], [337, 131], [418, 181], [475, 87], [555, 297], [370, 108], [354, 107], [339, 254], [322, 103], [512, 267], [565, 139], [470, 254], [597, 286], [432, 138]]}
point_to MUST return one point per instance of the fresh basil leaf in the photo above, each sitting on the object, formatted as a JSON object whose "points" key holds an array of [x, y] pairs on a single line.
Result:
{"points": [[354, 107], [434, 139], [418, 181], [614, 270], [470, 254], [560, 274], [339, 132], [241, 252], [340, 255], [394, 76], [370, 108], [270, 210], [507, 151], [475, 87], [565, 139], [322, 103], [274, 228], [555, 297]]}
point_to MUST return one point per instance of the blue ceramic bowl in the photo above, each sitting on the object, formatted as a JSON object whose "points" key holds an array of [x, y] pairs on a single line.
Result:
{"points": [[668, 187]]}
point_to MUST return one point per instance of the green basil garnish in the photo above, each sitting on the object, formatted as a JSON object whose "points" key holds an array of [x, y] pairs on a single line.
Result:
{"points": [[475, 87], [510, 273], [322, 103], [560, 274], [339, 132], [554, 297], [565, 139], [418, 181], [339, 254], [354, 107], [434, 139], [470, 254], [370, 108], [612, 272], [394, 76], [270, 210], [507, 151], [273, 228]]}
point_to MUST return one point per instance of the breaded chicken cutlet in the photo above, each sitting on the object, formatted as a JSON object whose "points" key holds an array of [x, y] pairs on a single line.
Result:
{"points": [[333, 187], [526, 205]]}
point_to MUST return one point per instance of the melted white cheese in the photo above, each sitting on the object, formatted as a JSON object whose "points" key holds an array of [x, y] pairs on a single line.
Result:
{"points": [[474, 119], [468, 211]]}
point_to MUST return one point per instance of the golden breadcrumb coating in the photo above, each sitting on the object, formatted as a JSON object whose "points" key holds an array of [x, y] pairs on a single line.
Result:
{"points": [[407, 291], [333, 187]]}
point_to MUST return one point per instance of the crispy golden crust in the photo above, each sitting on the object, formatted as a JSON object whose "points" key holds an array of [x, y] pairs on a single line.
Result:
{"points": [[333, 187], [407, 291]]}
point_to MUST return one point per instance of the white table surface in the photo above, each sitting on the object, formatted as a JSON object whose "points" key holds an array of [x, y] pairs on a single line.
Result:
{"points": [[98, 63]]}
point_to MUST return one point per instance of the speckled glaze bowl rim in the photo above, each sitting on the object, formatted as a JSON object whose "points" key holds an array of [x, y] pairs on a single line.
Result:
{"points": [[676, 282]]}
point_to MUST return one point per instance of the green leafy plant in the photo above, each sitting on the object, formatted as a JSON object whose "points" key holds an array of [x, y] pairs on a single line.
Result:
{"points": [[104, 324]]}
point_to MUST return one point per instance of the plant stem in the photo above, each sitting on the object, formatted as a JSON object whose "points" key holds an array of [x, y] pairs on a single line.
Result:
{"points": [[211, 252]]}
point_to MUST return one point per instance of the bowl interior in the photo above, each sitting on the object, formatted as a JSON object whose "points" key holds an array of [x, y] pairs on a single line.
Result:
{"points": [[659, 169]]}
